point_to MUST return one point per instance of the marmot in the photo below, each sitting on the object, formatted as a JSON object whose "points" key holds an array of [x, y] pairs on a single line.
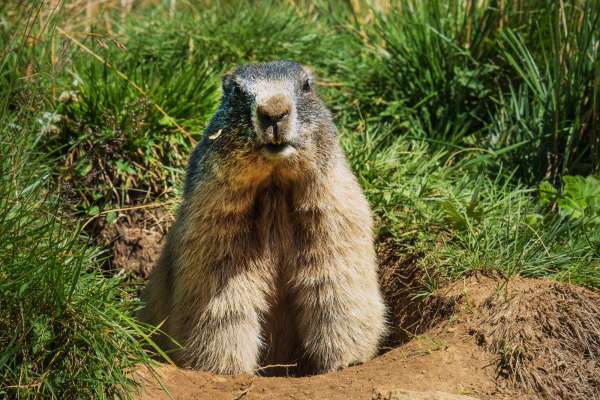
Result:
{"points": [[271, 258]]}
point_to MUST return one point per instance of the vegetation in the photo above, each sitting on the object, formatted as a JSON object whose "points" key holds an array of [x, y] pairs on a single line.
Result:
{"points": [[474, 127], [65, 329]]}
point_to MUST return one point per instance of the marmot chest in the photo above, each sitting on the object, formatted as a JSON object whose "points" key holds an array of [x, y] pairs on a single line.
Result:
{"points": [[274, 225]]}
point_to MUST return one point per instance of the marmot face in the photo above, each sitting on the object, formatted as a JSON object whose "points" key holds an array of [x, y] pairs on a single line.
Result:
{"points": [[271, 117]]}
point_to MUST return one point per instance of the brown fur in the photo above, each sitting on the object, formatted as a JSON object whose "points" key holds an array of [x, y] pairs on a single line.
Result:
{"points": [[270, 263]]}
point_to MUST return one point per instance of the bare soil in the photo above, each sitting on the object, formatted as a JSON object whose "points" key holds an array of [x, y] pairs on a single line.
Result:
{"points": [[483, 337], [500, 342], [135, 240], [445, 358]]}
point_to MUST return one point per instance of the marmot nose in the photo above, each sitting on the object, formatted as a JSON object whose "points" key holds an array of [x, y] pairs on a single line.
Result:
{"points": [[272, 115]]}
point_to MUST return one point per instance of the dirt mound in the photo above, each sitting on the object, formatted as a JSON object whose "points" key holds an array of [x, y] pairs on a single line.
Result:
{"points": [[427, 364], [135, 239], [546, 336], [516, 339]]}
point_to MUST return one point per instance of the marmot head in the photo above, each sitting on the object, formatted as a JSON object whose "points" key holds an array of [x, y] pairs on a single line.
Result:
{"points": [[270, 118]]}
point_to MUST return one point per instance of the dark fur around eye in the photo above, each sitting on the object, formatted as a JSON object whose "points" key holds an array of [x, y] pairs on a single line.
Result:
{"points": [[234, 88]]}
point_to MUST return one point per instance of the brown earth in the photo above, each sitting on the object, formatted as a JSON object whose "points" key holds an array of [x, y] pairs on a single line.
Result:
{"points": [[516, 339], [135, 239], [484, 337]]}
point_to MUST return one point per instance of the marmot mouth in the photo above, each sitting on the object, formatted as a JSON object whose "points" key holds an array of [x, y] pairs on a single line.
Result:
{"points": [[281, 150], [276, 148]]}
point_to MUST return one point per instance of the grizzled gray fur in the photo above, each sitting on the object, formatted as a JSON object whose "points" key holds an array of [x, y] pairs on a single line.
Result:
{"points": [[270, 259]]}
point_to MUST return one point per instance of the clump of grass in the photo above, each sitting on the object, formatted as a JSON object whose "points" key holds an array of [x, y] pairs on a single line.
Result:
{"points": [[431, 69], [548, 116], [436, 204], [497, 227], [123, 121], [121, 141], [231, 33], [519, 80], [66, 330]]}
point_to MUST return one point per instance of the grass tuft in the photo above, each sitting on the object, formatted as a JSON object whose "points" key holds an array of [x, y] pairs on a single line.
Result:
{"points": [[65, 330]]}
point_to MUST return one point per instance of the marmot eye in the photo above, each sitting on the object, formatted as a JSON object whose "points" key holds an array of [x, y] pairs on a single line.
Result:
{"points": [[306, 86], [235, 89]]}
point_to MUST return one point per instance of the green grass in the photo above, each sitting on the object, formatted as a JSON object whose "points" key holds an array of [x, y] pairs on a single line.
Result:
{"points": [[437, 203], [65, 328], [474, 130], [521, 82]]}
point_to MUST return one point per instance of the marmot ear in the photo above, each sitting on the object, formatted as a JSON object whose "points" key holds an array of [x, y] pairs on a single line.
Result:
{"points": [[228, 82], [309, 72]]}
